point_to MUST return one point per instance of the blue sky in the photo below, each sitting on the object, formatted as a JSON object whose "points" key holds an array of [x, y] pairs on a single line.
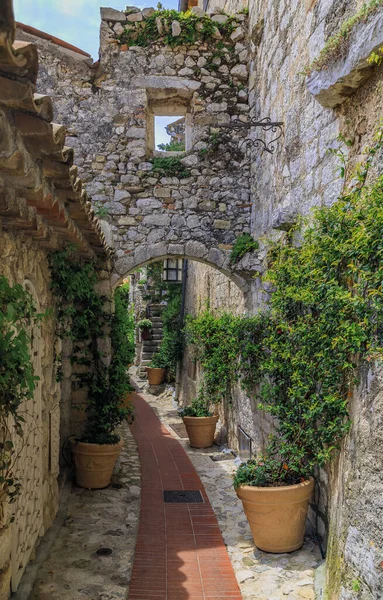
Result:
{"points": [[75, 21]]}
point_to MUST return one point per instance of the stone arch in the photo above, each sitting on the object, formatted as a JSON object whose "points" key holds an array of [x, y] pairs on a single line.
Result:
{"points": [[191, 250]]}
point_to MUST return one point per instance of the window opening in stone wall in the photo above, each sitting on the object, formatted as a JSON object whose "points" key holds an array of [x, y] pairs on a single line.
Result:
{"points": [[172, 270], [170, 133]]}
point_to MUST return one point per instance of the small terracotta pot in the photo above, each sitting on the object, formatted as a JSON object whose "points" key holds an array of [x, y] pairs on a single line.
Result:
{"points": [[94, 463], [155, 376], [201, 430], [277, 515]]}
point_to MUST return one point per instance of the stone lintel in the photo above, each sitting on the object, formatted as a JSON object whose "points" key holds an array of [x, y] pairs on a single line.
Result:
{"points": [[340, 79]]}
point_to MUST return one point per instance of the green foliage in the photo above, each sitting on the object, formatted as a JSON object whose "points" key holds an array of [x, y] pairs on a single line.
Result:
{"points": [[17, 381], [83, 319], [243, 244], [171, 346], [334, 44], [198, 408], [170, 166], [100, 210], [356, 587], [144, 324], [123, 325], [172, 146], [266, 471], [215, 342], [193, 29], [376, 59], [300, 357]]}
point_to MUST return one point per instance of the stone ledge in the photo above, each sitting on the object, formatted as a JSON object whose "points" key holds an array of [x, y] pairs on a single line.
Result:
{"points": [[332, 86]]}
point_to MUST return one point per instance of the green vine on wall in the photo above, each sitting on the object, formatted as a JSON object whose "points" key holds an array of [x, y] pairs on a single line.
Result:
{"points": [[158, 28], [301, 356], [83, 319], [242, 245], [18, 316], [170, 166]]}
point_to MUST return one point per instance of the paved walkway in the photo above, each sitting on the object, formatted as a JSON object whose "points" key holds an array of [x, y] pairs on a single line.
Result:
{"points": [[180, 553], [261, 576]]}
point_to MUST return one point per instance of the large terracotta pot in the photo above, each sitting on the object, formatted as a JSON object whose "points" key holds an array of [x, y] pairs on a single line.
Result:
{"points": [[95, 463], [277, 515], [201, 430], [155, 376]]}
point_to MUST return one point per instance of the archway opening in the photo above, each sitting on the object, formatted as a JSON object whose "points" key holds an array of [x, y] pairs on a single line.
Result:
{"points": [[164, 293]]}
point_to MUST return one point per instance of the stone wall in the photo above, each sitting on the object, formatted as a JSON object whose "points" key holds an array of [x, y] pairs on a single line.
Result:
{"points": [[24, 263], [301, 174], [110, 109]]}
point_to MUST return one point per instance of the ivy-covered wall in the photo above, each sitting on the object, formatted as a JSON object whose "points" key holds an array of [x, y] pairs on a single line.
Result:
{"points": [[23, 262]]}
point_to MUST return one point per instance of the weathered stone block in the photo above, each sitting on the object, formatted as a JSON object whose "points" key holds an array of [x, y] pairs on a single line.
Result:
{"points": [[239, 71], [195, 249], [220, 224], [162, 192], [124, 265], [127, 221], [110, 14], [159, 220]]}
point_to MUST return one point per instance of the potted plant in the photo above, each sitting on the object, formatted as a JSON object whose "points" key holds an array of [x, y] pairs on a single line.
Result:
{"points": [[96, 451], [156, 370], [275, 494], [200, 423], [145, 326]]}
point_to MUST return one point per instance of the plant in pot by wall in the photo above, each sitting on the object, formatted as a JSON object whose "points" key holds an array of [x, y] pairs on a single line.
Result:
{"points": [[275, 497], [145, 326], [156, 370], [83, 319], [200, 423]]}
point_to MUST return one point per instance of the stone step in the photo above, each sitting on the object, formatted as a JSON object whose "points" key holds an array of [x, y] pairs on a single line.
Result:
{"points": [[152, 344], [147, 356], [156, 320]]}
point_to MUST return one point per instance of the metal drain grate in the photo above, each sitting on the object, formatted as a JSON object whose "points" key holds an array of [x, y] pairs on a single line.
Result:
{"points": [[187, 496]]}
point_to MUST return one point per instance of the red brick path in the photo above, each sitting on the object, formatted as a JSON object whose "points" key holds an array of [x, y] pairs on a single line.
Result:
{"points": [[180, 554]]}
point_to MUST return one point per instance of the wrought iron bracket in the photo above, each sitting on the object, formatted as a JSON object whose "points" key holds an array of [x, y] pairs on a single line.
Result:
{"points": [[266, 124]]}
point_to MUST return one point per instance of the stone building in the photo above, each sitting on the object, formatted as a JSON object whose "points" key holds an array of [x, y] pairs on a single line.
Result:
{"points": [[42, 209], [109, 107]]}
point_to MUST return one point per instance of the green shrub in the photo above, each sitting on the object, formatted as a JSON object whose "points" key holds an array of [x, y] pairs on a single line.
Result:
{"points": [[301, 355], [198, 408], [170, 350], [82, 318], [144, 324], [242, 245], [18, 316], [170, 166]]}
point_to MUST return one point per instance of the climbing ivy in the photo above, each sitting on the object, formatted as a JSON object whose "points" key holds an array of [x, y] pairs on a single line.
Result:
{"points": [[171, 345], [18, 316], [158, 27], [242, 245], [83, 319], [170, 166], [300, 357]]}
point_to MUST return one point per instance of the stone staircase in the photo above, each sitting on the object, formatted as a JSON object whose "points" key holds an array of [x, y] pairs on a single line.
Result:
{"points": [[150, 347]]}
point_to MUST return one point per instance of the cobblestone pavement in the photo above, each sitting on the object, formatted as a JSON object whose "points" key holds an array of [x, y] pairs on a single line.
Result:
{"points": [[96, 519], [261, 576]]}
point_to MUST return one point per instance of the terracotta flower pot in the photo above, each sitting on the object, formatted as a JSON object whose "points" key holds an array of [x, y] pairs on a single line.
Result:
{"points": [[155, 376], [95, 463], [277, 515], [201, 430]]}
